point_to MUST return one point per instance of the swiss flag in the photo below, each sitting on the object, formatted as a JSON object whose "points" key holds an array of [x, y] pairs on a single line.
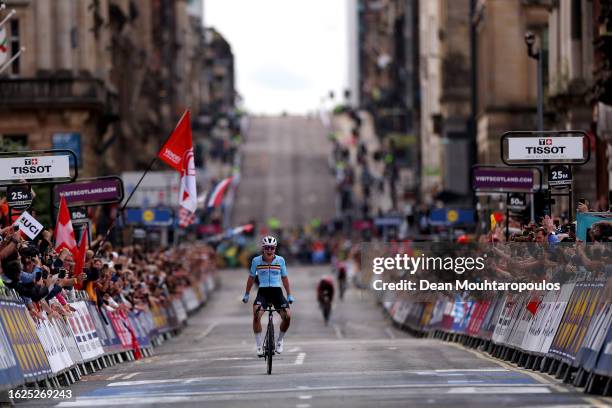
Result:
{"points": [[79, 260], [176, 151], [64, 234]]}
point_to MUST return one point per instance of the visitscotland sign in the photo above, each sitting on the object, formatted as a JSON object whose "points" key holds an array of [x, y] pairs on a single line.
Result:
{"points": [[30, 168], [545, 148]]}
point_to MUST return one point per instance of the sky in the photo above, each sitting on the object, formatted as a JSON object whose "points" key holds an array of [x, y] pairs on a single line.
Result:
{"points": [[288, 53]]}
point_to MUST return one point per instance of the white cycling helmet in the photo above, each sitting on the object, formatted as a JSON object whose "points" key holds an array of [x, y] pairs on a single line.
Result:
{"points": [[268, 241]]}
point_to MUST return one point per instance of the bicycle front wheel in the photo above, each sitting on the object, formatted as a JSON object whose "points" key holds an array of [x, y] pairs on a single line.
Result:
{"points": [[270, 346]]}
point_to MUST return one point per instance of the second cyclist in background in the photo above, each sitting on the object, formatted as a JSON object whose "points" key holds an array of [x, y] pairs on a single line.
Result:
{"points": [[325, 296], [342, 282]]}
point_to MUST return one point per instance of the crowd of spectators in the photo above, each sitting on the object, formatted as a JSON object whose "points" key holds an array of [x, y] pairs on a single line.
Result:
{"points": [[125, 278]]}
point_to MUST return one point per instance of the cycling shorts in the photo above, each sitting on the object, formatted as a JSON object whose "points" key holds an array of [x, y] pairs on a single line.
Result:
{"points": [[271, 296]]}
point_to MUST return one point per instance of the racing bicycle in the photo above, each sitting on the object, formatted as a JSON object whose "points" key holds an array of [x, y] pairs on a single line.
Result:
{"points": [[269, 346]]}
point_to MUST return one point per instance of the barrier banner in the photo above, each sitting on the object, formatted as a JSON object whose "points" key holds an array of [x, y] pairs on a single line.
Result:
{"points": [[426, 314], [523, 319], [108, 338], [120, 328], [502, 328], [53, 344], [478, 316], [171, 317], [26, 345], [447, 320], [595, 338], [179, 309], [461, 314], [437, 314], [553, 320], [189, 299], [63, 328], [584, 302], [492, 316], [85, 332], [141, 333], [604, 362], [534, 336], [10, 371], [159, 318]]}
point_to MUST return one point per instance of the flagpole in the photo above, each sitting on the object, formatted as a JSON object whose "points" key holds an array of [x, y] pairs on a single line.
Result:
{"points": [[122, 209]]}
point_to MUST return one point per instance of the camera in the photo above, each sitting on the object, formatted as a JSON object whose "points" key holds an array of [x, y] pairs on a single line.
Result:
{"points": [[529, 38], [62, 273], [15, 227]]}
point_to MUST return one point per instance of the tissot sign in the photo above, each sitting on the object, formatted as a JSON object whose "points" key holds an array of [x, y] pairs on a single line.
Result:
{"points": [[545, 148], [31, 168]]}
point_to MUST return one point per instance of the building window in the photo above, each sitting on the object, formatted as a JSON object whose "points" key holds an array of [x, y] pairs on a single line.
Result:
{"points": [[14, 41], [576, 19]]}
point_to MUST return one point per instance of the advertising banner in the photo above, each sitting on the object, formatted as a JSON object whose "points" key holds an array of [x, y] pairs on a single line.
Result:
{"points": [[26, 345], [552, 321], [585, 301], [502, 179], [604, 362], [10, 371], [90, 192], [85, 332], [34, 167], [594, 341], [545, 148], [53, 344]]}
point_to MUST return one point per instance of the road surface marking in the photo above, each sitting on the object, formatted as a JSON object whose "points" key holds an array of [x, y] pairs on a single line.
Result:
{"points": [[539, 378], [114, 377], [390, 333], [302, 406], [132, 375], [338, 331], [596, 402], [207, 331], [170, 397], [305, 397], [294, 350], [499, 390], [299, 360]]}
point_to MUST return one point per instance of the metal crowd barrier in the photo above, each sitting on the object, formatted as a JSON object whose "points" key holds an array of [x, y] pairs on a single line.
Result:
{"points": [[566, 333], [57, 352]]}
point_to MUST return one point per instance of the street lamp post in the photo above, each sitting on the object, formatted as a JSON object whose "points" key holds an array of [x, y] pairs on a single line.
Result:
{"points": [[536, 54]]}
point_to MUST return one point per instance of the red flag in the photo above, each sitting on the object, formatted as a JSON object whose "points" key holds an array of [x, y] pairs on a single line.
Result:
{"points": [[79, 260], [176, 149], [64, 234]]}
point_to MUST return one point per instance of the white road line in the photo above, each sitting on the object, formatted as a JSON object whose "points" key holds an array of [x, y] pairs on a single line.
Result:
{"points": [[294, 350], [499, 390], [389, 333], [132, 375], [305, 397], [170, 397], [114, 377], [302, 406], [338, 331], [299, 360], [207, 331]]}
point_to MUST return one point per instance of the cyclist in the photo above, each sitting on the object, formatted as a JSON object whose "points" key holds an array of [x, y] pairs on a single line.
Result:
{"points": [[271, 271], [325, 296], [341, 276]]}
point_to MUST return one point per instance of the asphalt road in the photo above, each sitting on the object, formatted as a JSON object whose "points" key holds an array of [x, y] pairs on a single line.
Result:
{"points": [[359, 360], [285, 172]]}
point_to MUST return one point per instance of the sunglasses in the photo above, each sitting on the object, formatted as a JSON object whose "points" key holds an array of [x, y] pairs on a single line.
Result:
{"points": [[269, 248]]}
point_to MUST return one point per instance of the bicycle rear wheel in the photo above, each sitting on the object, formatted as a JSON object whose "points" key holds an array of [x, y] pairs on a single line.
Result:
{"points": [[270, 346]]}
